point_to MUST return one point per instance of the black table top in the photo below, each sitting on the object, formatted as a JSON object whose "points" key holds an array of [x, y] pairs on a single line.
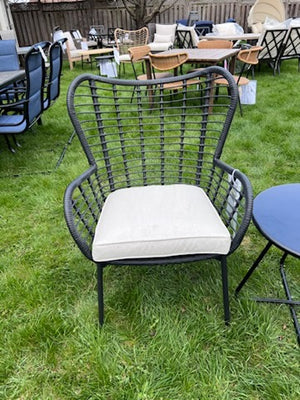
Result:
{"points": [[276, 213]]}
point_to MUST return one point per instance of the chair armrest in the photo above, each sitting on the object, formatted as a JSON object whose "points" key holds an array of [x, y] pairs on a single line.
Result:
{"points": [[234, 204], [82, 207]]}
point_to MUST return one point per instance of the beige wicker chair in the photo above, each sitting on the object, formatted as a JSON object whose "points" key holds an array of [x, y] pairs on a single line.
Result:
{"points": [[167, 62], [137, 54], [215, 44], [125, 39]]}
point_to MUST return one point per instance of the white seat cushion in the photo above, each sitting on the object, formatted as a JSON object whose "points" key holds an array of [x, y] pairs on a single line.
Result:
{"points": [[158, 221], [160, 46], [124, 57]]}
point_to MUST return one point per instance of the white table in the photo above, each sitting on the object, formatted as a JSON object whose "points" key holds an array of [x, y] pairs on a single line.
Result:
{"points": [[244, 36]]}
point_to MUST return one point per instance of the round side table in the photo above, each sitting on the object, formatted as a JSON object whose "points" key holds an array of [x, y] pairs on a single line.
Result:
{"points": [[276, 214]]}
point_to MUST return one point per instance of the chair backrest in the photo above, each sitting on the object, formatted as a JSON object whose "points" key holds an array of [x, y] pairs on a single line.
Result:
{"points": [[193, 18], [70, 42], [203, 27], [9, 59], [272, 41], [137, 53], [215, 44], [291, 45], [166, 62], [35, 78], [153, 138], [53, 83], [250, 56], [125, 39]]}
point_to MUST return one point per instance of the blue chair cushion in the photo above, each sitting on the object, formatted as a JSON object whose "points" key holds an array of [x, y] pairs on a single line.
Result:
{"points": [[12, 124]]}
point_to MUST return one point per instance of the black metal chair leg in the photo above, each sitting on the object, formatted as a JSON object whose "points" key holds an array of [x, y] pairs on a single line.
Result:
{"points": [[15, 141], [9, 145], [225, 290], [251, 270], [100, 268]]}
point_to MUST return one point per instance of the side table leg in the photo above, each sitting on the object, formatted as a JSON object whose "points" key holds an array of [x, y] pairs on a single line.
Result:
{"points": [[251, 270], [289, 297]]}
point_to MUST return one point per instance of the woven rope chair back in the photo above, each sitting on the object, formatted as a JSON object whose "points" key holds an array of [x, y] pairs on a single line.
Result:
{"points": [[125, 39], [156, 139], [166, 62], [215, 44]]}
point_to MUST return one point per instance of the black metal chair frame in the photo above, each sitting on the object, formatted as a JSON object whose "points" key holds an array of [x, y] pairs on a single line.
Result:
{"points": [[290, 48], [114, 131], [183, 39], [272, 43]]}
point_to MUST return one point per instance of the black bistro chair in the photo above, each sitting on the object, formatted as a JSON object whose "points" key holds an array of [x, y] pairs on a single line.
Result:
{"points": [[17, 117], [156, 191]]}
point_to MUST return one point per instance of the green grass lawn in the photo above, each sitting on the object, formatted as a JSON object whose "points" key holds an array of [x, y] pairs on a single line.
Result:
{"points": [[164, 337]]}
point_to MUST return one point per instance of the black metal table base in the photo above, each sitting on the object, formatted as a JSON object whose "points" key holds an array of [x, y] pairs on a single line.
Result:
{"points": [[289, 300]]}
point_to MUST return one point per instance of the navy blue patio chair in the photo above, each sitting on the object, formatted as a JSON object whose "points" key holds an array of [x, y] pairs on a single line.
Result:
{"points": [[53, 77], [17, 117]]}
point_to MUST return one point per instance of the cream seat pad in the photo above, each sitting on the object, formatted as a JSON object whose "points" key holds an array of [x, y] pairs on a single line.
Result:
{"points": [[158, 221]]}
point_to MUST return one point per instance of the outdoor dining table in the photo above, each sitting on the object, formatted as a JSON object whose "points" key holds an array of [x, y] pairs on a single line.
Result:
{"points": [[202, 56], [8, 77]]}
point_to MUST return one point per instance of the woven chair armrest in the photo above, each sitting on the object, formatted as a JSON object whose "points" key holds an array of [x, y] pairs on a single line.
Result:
{"points": [[231, 193], [82, 206]]}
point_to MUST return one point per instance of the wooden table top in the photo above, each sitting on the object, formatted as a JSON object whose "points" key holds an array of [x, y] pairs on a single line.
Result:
{"points": [[205, 55]]}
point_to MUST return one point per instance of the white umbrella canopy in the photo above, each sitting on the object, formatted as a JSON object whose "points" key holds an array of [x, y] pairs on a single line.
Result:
{"points": [[261, 9]]}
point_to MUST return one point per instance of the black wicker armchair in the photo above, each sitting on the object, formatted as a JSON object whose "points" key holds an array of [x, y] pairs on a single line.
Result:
{"points": [[156, 191]]}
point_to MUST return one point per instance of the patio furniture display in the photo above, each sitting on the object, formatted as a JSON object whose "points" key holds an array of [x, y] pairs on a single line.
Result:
{"points": [[156, 191], [27, 110], [52, 83], [125, 39], [164, 37], [262, 9], [248, 58], [276, 215], [272, 41]]}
